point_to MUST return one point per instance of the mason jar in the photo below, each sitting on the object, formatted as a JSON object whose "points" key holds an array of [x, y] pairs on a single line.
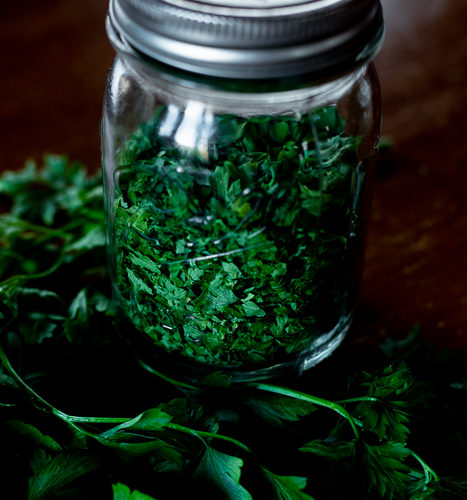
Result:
{"points": [[239, 141]]}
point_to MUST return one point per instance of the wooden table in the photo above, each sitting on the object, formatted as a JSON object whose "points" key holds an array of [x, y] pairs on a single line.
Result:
{"points": [[55, 56]]}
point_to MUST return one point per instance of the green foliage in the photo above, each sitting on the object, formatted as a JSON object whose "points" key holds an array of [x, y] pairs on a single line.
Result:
{"points": [[388, 417], [142, 436], [287, 487], [389, 457], [238, 256], [332, 450], [378, 435], [122, 492], [29, 432], [55, 221], [52, 474], [43, 195], [276, 409], [224, 471]]}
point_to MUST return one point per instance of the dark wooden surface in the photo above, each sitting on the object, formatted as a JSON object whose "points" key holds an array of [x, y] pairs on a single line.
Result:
{"points": [[54, 60]]}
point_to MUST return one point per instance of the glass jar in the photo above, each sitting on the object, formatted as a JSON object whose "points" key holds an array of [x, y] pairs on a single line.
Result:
{"points": [[239, 141]]}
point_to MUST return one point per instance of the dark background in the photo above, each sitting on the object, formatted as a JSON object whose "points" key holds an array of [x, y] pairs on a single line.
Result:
{"points": [[54, 61]]}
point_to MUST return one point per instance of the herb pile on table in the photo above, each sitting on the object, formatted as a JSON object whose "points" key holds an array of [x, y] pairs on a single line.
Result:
{"points": [[81, 417]]}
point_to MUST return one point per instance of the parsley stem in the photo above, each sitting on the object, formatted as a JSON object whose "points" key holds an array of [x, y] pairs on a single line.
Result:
{"points": [[48, 271], [15, 281], [44, 405], [332, 405], [429, 472], [358, 400], [204, 434], [96, 420], [29, 226], [38, 401], [168, 379], [175, 427]]}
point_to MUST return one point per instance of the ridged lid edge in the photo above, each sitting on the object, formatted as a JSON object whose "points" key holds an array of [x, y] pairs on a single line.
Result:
{"points": [[339, 34]]}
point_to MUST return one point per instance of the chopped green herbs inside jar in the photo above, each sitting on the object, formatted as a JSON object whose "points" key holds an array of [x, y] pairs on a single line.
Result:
{"points": [[239, 255]]}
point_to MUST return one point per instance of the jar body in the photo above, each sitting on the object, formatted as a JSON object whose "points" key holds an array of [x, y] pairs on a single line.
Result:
{"points": [[237, 213]]}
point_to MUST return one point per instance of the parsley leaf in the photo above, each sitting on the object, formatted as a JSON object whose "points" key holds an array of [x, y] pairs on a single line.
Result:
{"points": [[388, 417], [52, 474], [287, 487], [275, 409], [224, 471], [122, 492], [390, 458], [31, 432]]}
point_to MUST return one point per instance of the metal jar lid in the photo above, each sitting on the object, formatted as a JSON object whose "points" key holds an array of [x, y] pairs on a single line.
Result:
{"points": [[252, 38]]}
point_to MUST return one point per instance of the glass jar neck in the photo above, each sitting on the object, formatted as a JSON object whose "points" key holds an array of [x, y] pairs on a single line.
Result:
{"points": [[271, 96]]}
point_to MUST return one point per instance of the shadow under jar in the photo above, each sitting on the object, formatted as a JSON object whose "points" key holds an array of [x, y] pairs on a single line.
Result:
{"points": [[238, 153]]}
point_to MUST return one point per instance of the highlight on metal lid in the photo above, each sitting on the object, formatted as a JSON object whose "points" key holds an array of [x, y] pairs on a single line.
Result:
{"points": [[251, 38]]}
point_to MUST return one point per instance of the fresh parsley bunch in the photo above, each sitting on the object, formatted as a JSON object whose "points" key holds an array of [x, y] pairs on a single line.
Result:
{"points": [[81, 417]]}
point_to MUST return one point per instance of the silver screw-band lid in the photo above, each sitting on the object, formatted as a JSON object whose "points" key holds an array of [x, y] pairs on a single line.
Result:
{"points": [[251, 38]]}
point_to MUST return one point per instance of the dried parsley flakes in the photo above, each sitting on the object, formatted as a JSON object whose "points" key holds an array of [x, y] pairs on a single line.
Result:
{"points": [[239, 256]]}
